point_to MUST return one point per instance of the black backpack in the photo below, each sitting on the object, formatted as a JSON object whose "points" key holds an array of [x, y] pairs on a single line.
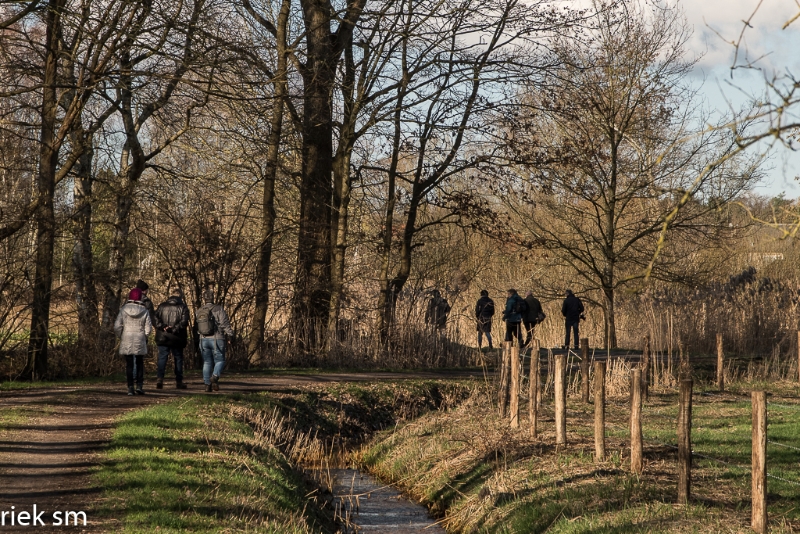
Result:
{"points": [[520, 306], [204, 320]]}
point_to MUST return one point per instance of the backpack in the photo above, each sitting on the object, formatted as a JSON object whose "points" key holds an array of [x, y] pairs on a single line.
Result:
{"points": [[519, 306], [204, 320]]}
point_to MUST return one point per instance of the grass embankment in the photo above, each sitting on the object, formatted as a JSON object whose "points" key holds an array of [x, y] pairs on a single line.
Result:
{"points": [[190, 465], [481, 476]]}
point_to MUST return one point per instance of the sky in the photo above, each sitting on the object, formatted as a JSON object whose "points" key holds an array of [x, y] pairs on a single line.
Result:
{"points": [[716, 24]]}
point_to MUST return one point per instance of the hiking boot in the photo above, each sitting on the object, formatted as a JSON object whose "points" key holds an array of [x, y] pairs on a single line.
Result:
{"points": [[215, 382], [139, 391], [180, 385], [130, 391], [160, 383], [208, 388]]}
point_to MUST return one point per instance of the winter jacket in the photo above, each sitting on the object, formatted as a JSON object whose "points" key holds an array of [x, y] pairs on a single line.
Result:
{"points": [[484, 309], [509, 315], [172, 319], [437, 311], [132, 328], [222, 325], [572, 308], [534, 309], [147, 303]]}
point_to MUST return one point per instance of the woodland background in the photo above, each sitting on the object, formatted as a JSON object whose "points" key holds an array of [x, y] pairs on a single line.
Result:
{"points": [[323, 166]]}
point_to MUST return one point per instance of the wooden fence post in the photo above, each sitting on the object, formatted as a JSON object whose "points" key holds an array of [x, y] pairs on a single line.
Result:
{"points": [[720, 364], [561, 399], [585, 370], [646, 368], [515, 386], [599, 411], [636, 421], [503, 392], [759, 476], [533, 390], [685, 441]]}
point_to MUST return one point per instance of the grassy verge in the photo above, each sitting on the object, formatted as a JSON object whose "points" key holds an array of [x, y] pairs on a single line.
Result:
{"points": [[186, 466], [479, 475], [189, 465]]}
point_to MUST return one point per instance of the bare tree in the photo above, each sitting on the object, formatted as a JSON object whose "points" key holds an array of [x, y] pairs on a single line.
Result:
{"points": [[614, 144]]}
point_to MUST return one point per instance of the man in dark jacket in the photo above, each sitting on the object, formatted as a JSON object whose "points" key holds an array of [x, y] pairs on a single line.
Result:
{"points": [[437, 311], [531, 318], [172, 320], [484, 311], [572, 310], [512, 315]]}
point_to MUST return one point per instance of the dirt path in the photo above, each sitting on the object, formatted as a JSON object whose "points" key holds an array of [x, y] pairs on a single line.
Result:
{"points": [[51, 439]]}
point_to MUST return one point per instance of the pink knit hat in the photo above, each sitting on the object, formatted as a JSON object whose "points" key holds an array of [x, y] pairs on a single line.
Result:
{"points": [[135, 294]]}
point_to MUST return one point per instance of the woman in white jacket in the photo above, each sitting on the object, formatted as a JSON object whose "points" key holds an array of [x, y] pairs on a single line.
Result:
{"points": [[132, 328]]}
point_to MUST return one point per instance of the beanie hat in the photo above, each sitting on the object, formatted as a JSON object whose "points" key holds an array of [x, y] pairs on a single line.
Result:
{"points": [[135, 294], [142, 285]]}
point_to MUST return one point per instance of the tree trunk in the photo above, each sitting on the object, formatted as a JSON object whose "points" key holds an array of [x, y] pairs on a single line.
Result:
{"points": [[610, 313], [82, 257], [255, 342], [36, 366], [313, 277], [132, 165]]}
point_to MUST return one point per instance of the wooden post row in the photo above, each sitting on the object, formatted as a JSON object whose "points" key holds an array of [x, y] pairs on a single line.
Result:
{"points": [[503, 390], [636, 421], [720, 364], [585, 370], [534, 390], [515, 386], [798, 355], [561, 399], [646, 368], [685, 441], [599, 411], [759, 478]]}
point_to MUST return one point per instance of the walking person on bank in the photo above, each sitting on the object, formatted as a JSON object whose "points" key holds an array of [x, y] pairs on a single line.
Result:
{"points": [[437, 311], [172, 320], [132, 328], [484, 311], [214, 327], [534, 316], [144, 287], [515, 309], [572, 310]]}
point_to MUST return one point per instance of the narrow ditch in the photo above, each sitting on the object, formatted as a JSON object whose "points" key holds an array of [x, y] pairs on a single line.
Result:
{"points": [[358, 501], [363, 504]]}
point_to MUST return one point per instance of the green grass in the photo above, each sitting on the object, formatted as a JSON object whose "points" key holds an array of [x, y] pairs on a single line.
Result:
{"points": [[185, 466], [482, 476]]}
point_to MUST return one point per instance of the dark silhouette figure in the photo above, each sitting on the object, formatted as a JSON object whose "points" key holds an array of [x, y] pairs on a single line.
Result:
{"points": [[572, 310], [512, 315], [484, 311]]}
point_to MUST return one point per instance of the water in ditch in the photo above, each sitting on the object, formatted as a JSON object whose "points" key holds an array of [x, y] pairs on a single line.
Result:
{"points": [[365, 505]]}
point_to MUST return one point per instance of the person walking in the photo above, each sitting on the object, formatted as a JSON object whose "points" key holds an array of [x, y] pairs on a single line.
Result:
{"points": [[484, 311], [534, 316], [512, 315], [172, 320], [437, 311], [213, 327], [132, 328], [572, 310]]}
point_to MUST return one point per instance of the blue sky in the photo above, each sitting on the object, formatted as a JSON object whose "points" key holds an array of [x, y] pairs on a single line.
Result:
{"points": [[774, 50]]}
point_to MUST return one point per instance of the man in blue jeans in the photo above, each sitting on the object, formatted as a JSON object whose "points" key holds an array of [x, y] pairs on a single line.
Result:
{"points": [[213, 327]]}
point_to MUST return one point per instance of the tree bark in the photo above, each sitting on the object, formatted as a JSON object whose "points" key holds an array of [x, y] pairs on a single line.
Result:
{"points": [[255, 342], [82, 257], [36, 366]]}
